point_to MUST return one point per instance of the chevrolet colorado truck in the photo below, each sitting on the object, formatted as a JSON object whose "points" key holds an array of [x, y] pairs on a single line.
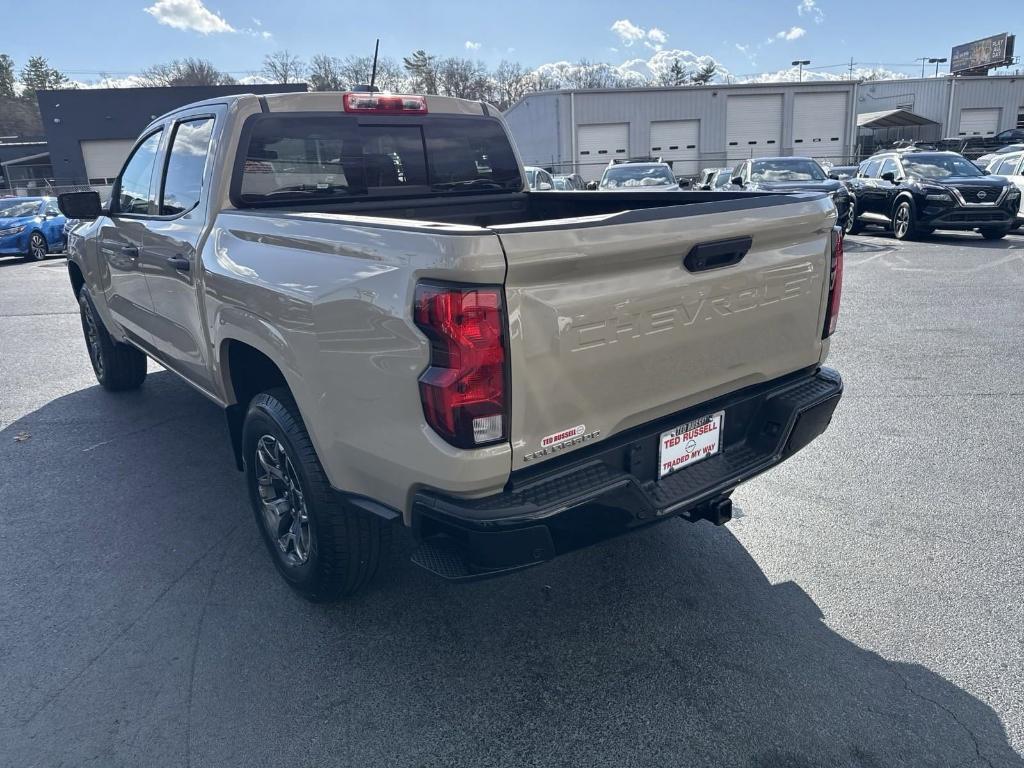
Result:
{"points": [[401, 333]]}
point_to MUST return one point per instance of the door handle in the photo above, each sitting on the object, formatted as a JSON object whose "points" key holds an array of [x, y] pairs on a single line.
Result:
{"points": [[179, 262], [131, 251]]}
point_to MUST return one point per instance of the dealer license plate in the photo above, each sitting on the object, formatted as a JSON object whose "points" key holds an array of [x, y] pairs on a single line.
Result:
{"points": [[690, 443]]}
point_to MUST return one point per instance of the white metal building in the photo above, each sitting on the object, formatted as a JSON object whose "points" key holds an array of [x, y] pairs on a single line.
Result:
{"points": [[717, 125]]}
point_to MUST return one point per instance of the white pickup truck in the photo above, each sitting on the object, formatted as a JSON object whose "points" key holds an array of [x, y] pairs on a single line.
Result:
{"points": [[400, 332]]}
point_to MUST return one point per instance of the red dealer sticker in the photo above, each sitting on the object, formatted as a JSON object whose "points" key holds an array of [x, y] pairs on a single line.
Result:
{"points": [[688, 444], [561, 437]]}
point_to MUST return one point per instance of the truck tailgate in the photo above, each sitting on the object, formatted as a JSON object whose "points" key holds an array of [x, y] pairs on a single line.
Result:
{"points": [[609, 329]]}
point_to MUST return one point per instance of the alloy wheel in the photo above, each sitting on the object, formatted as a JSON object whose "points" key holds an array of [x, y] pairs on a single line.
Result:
{"points": [[901, 221], [92, 340], [37, 246], [283, 504]]}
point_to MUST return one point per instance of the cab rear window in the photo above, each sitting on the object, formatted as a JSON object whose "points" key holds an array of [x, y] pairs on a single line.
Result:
{"points": [[336, 157]]}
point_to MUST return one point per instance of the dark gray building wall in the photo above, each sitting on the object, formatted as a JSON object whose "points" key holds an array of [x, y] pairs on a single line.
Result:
{"points": [[72, 116]]}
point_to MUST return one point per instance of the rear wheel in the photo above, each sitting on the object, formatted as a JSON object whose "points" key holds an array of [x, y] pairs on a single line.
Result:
{"points": [[117, 366], [993, 234], [37, 249], [323, 546], [903, 226]]}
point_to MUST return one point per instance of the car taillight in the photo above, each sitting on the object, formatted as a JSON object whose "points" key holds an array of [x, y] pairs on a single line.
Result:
{"points": [[465, 388], [835, 283], [384, 103]]}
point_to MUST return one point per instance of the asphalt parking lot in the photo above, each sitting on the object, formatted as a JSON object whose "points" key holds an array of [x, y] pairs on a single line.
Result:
{"points": [[864, 609]]}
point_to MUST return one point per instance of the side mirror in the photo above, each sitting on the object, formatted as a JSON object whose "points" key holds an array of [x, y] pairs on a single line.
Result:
{"points": [[889, 176], [834, 176], [986, 171], [592, 185], [50, 215], [737, 181], [80, 205], [543, 186]]}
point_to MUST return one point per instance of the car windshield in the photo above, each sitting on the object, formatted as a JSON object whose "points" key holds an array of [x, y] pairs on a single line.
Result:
{"points": [[786, 170], [939, 166], [637, 176], [18, 208]]}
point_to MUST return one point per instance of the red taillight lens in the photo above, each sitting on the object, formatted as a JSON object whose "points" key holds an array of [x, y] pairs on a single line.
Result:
{"points": [[384, 103], [835, 283], [465, 388]]}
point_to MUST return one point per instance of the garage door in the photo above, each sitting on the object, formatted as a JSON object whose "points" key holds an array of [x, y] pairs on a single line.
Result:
{"points": [[819, 125], [104, 158], [979, 122], [596, 145], [753, 126], [675, 142]]}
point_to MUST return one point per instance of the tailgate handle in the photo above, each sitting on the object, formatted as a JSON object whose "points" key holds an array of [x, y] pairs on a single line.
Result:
{"points": [[721, 253]]}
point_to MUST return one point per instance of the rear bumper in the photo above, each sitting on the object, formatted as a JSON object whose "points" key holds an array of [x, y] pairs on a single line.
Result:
{"points": [[609, 488]]}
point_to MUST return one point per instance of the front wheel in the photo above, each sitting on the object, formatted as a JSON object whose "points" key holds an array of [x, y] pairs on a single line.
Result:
{"points": [[323, 546], [993, 234], [903, 226], [37, 249], [851, 226], [117, 366]]}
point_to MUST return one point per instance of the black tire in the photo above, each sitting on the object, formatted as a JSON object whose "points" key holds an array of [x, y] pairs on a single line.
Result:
{"points": [[37, 248], [117, 366], [344, 545], [852, 226], [904, 224], [993, 234]]}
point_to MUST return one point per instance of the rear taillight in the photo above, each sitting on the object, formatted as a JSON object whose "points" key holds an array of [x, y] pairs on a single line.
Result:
{"points": [[384, 103], [835, 283], [465, 388]]}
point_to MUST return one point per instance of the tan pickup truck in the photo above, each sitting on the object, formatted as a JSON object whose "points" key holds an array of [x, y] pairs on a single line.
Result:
{"points": [[400, 333]]}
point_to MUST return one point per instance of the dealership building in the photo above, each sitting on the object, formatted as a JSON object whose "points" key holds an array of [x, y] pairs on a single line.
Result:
{"points": [[718, 125]]}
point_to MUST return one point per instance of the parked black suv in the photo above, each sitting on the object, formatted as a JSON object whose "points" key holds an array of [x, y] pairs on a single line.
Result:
{"points": [[915, 193], [792, 174]]}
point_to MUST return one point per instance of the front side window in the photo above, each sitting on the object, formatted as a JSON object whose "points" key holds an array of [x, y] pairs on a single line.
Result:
{"points": [[1007, 167], [889, 166], [133, 187], [52, 209], [183, 182]]}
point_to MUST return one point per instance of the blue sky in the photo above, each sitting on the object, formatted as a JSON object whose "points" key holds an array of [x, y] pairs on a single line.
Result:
{"points": [[124, 37]]}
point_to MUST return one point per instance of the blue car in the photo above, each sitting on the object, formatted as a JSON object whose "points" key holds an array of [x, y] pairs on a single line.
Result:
{"points": [[31, 227]]}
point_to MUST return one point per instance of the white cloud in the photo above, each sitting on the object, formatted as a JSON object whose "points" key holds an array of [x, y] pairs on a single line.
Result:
{"points": [[810, 9], [657, 37], [793, 33], [188, 14], [627, 31], [472, 46]]}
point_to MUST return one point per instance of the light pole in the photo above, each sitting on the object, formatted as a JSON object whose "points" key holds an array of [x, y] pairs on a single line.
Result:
{"points": [[936, 62], [801, 63]]}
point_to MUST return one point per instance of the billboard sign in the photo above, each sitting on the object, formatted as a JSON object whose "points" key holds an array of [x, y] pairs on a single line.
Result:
{"points": [[982, 55]]}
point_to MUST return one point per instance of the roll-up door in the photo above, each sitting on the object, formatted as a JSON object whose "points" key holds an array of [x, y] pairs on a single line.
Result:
{"points": [[596, 145]]}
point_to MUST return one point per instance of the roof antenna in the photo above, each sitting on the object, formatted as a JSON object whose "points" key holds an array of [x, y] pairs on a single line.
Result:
{"points": [[373, 74]]}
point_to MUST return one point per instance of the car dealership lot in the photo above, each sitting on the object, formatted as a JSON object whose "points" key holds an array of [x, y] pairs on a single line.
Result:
{"points": [[863, 609]]}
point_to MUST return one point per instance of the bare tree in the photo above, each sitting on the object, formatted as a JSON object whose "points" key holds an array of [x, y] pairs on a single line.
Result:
{"points": [[283, 67], [511, 83], [591, 75], [325, 73], [185, 72], [464, 79], [356, 70]]}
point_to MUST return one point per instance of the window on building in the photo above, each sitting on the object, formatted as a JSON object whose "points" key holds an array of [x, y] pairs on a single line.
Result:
{"points": [[133, 194], [183, 182]]}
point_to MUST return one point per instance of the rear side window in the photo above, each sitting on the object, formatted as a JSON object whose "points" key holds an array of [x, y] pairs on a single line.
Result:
{"points": [[183, 182], [869, 169], [1007, 167], [331, 157]]}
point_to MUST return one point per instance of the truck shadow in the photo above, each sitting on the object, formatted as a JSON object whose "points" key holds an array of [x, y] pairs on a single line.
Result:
{"points": [[153, 620]]}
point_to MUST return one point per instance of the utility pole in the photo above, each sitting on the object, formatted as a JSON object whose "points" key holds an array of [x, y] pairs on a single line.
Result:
{"points": [[851, 67], [922, 59], [800, 63]]}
